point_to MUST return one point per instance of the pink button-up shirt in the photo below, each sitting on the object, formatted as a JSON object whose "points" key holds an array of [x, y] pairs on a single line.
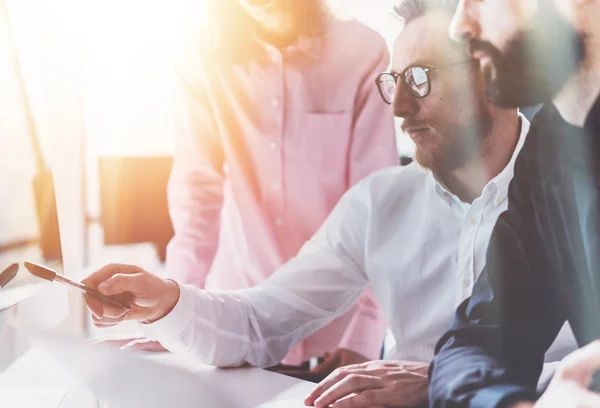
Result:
{"points": [[263, 152]]}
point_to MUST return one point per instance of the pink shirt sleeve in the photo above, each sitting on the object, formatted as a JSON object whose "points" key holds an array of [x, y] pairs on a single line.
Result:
{"points": [[373, 148], [195, 190]]}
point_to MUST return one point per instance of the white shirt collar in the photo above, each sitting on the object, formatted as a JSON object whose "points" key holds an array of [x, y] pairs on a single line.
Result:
{"points": [[503, 179]]}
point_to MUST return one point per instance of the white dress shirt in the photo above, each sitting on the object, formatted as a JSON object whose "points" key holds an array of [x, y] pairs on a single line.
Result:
{"points": [[399, 230]]}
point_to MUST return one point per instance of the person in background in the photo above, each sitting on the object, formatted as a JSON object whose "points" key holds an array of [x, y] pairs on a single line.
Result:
{"points": [[278, 118], [543, 262], [417, 234]]}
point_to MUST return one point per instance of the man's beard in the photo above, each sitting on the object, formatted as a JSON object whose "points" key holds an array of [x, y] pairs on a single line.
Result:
{"points": [[458, 146], [536, 63]]}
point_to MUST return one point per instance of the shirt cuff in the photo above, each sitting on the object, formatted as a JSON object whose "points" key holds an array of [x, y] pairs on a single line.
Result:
{"points": [[173, 324], [502, 396]]}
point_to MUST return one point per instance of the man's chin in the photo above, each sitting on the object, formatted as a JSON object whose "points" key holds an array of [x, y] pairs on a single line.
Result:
{"points": [[426, 159], [440, 161]]}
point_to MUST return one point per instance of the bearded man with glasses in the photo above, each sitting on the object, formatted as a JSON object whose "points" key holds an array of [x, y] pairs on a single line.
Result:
{"points": [[416, 234]]}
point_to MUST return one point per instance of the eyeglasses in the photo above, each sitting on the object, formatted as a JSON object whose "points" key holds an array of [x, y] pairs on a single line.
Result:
{"points": [[416, 77], [8, 274]]}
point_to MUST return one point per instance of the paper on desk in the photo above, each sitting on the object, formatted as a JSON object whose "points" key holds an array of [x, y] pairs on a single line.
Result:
{"points": [[38, 397], [123, 380]]}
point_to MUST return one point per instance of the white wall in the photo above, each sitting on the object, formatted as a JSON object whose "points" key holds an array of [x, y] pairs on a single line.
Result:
{"points": [[377, 15]]}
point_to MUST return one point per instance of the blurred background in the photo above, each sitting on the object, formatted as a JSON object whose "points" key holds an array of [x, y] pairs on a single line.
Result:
{"points": [[97, 80]]}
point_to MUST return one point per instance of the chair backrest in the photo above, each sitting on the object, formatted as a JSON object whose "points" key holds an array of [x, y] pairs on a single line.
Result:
{"points": [[133, 200]]}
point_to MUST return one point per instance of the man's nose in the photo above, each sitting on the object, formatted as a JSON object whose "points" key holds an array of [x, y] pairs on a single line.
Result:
{"points": [[404, 104]]}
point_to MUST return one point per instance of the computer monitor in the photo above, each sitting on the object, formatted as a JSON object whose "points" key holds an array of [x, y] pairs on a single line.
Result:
{"points": [[28, 220], [30, 230], [28, 213]]}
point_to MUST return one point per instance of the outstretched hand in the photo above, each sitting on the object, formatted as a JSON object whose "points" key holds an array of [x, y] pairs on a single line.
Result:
{"points": [[151, 297]]}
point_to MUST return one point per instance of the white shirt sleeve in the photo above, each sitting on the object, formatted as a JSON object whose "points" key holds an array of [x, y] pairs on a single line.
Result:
{"points": [[261, 324]]}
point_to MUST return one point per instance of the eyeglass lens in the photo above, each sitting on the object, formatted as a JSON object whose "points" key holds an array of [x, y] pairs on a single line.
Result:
{"points": [[416, 79], [387, 85]]}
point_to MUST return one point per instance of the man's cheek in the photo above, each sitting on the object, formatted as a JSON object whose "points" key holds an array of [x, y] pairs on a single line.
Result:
{"points": [[499, 23]]}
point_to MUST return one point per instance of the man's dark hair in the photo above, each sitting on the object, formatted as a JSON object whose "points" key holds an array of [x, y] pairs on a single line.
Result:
{"points": [[409, 10]]}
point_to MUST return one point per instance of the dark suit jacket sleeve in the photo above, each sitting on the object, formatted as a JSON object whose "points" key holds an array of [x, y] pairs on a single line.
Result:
{"points": [[493, 353]]}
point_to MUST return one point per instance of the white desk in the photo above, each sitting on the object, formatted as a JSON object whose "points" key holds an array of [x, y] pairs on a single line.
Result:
{"points": [[39, 368]]}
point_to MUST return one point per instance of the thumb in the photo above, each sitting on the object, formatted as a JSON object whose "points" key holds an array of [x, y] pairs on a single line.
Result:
{"points": [[134, 283], [583, 363]]}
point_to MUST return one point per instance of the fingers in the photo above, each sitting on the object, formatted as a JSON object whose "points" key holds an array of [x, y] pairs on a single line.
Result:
{"points": [[368, 399], [103, 324], [324, 385], [582, 364], [94, 305], [137, 314], [142, 292], [390, 382], [97, 308], [106, 272], [107, 321], [352, 384], [108, 316], [119, 283], [340, 383], [334, 377], [109, 311]]}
